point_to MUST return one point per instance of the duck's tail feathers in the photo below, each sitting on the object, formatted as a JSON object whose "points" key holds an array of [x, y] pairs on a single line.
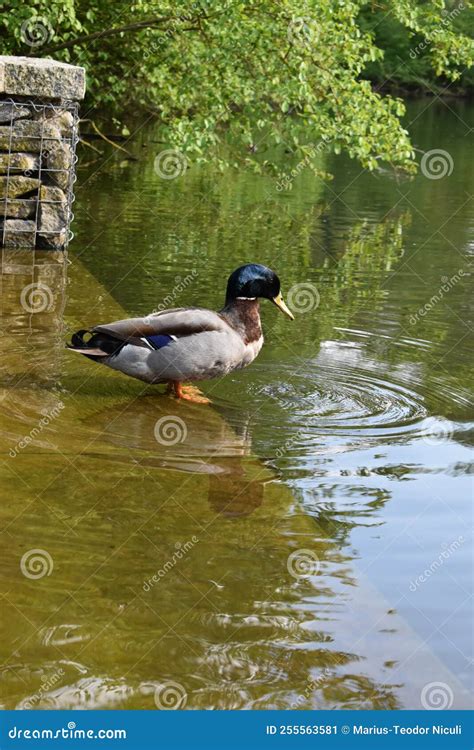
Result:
{"points": [[98, 345]]}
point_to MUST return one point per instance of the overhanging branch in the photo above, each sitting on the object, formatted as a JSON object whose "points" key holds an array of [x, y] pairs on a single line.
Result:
{"points": [[127, 28]]}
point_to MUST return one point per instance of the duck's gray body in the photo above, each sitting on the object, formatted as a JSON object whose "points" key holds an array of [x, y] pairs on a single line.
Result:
{"points": [[182, 344]]}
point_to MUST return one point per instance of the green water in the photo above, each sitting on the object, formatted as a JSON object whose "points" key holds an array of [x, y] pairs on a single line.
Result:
{"points": [[308, 542]]}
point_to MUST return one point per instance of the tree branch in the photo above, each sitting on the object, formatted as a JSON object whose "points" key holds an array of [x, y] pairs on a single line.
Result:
{"points": [[130, 27]]}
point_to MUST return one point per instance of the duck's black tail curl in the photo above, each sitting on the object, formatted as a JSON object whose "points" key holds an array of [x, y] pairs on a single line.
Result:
{"points": [[98, 345], [77, 340]]}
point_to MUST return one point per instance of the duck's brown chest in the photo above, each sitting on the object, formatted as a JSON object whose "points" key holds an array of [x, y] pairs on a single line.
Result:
{"points": [[244, 316]]}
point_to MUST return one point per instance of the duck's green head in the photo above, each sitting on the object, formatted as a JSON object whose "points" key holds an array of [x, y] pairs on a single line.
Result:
{"points": [[254, 280]]}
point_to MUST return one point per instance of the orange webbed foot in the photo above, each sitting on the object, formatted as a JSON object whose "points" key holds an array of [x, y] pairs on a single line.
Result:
{"points": [[187, 392]]}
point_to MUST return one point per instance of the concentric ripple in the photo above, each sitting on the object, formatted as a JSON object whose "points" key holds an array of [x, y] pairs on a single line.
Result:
{"points": [[345, 393], [349, 400]]}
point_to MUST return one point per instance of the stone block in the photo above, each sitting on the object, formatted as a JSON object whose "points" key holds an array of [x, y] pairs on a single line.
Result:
{"points": [[17, 185], [29, 135], [18, 233], [62, 119], [33, 76], [52, 241], [59, 160], [18, 208], [52, 194], [52, 217], [10, 112], [18, 162]]}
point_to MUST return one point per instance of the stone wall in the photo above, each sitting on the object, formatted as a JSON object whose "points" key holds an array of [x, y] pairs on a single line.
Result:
{"points": [[38, 135]]}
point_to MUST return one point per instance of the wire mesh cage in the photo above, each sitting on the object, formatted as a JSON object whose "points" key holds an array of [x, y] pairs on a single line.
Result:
{"points": [[37, 172]]}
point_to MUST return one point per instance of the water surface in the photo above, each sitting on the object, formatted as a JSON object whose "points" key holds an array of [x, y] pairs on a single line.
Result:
{"points": [[306, 542]]}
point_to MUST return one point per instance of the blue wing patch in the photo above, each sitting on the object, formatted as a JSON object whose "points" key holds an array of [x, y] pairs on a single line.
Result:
{"points": [[160, 340]]}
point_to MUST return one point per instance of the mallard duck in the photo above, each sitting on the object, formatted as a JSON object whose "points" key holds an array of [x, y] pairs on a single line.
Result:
{"points": [[188, 343]]}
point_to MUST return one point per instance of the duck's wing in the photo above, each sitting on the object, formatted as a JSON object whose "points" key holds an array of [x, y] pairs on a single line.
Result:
{"points": [[152, 332], [179, 321]]}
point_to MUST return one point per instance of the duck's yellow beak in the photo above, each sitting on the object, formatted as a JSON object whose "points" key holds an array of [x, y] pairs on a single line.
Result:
{"points": [[278, 301]]}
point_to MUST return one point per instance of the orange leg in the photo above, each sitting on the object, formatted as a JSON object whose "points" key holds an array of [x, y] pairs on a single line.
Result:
{"points": [[187, 392]]}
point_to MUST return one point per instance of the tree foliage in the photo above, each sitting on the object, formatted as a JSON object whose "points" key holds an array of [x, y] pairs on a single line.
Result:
{"points": [[258, 74]]}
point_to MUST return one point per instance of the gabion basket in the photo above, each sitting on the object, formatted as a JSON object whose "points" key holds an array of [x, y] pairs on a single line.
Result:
{"points": [[37, 172]]}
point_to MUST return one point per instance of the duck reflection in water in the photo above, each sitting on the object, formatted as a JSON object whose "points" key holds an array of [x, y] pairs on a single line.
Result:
{"points": [[161, 435]]}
